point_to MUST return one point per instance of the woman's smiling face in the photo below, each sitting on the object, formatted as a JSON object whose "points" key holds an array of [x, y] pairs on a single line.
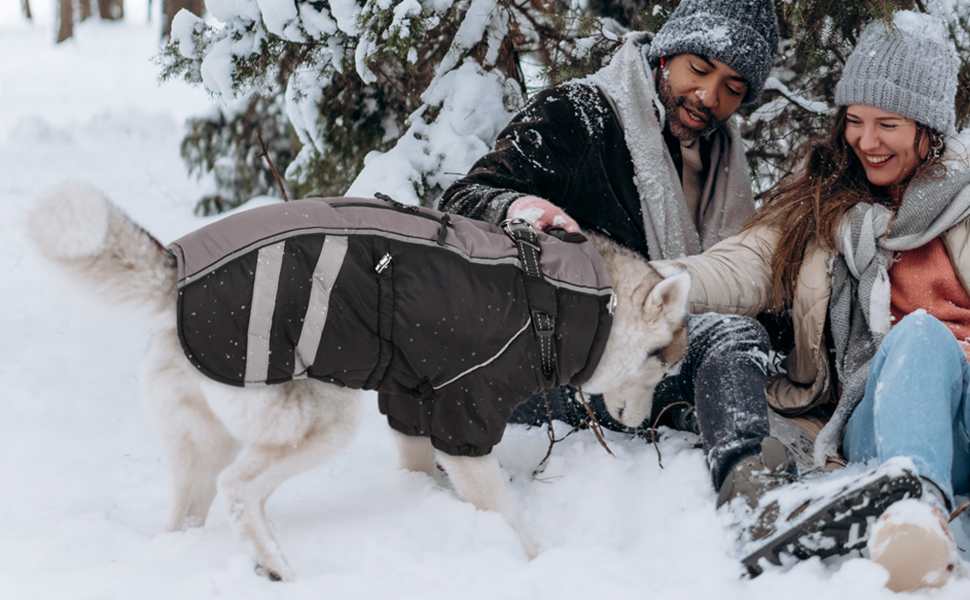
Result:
{"points": [[885, 143]]}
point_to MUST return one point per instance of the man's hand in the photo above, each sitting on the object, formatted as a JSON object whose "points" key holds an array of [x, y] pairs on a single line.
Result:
{"points": [[543, 214]]}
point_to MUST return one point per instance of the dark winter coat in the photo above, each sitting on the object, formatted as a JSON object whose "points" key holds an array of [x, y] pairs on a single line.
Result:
{"points": [[428, 307], [569, 147]]}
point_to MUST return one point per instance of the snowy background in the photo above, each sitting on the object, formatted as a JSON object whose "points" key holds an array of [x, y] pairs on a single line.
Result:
{"points": [[83, 495]]}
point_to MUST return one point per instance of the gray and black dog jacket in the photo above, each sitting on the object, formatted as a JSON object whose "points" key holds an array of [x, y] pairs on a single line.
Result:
{"points": [[455, 321]]}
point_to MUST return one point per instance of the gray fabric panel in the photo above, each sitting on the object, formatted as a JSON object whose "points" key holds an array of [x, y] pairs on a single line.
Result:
{"points": [[597, 280], [562, 263], [324, 274], [265, 284]]}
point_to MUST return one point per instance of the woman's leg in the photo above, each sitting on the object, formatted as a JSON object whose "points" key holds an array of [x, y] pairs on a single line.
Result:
{"points": [[914, 405]]}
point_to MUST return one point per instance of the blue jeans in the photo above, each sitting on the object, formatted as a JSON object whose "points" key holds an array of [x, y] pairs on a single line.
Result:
{"points": [[916, 404]]}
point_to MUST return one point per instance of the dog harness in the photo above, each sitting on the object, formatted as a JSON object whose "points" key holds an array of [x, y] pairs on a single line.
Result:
{"points": [[456, 321]]}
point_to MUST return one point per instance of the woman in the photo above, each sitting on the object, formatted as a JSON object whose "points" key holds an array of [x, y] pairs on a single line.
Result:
{"points": [[869, 247]]}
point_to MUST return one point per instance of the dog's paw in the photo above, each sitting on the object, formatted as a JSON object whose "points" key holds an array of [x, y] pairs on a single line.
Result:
{"points": [[273, 575], [70, 222]]}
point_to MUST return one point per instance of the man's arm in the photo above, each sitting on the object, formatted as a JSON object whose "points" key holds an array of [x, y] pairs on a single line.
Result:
{"points": [[538, 154]]}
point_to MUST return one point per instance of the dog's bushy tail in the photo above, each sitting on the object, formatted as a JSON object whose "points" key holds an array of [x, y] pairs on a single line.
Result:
{"points": [[78, 228]]}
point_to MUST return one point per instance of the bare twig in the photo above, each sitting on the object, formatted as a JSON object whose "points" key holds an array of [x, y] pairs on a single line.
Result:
{"points": [[594, 423], [272, 167], [653, 430], [552, 435]]}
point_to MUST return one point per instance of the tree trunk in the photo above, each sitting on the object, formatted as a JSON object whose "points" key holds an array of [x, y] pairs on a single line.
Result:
{"points": [[85, 10], [111, 10], [65, 20], [172, 7], [25, 5]]}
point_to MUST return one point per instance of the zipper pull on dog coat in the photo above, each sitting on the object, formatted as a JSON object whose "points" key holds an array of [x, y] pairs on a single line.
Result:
{"points": [[383, 263]]}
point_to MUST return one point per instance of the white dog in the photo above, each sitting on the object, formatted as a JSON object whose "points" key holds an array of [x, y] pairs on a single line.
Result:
{"points": [[243, 442]]}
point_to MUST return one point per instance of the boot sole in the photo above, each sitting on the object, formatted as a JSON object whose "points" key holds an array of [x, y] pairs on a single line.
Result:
{"points": [[840, 526]]}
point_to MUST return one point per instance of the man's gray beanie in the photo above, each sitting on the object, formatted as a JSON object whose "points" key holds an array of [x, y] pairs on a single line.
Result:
{"points": [[909, 68], [743, 34]]}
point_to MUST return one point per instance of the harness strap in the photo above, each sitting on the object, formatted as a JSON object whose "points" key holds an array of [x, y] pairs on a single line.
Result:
{"points": [[540, 295]]}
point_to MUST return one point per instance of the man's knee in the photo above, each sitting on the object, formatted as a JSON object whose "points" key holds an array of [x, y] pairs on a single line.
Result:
{"points": [[716, 334]]}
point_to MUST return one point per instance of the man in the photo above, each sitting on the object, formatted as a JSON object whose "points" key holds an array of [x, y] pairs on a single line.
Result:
{"points": [[644, 152]]}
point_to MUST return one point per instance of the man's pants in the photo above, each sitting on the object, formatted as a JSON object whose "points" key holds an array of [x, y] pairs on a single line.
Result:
{"points": [[719, 393]]}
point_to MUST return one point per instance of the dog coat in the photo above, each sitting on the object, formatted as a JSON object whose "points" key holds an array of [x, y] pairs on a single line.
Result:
{"points": [[453, 319]]}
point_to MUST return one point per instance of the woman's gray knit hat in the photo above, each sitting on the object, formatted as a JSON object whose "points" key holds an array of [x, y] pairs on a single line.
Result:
{"points": [[743, 34], [908, 67]]}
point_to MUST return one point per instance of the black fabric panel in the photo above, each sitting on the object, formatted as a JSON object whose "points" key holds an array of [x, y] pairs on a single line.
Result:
{"points": [[350, 345], [580, 340], [300, 257], [450, 314], [385, 312], [468, 418], [214, 320]]}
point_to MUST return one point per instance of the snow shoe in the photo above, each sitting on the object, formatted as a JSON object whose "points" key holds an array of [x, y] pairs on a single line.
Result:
{"points": [[825, 516]]}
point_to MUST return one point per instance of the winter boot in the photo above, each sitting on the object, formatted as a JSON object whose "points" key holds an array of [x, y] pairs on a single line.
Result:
{"points": [[755, 475], [828, 515], [751, 479], [913, 542]]}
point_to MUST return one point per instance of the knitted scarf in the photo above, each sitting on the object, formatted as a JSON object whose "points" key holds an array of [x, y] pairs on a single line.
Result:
{"points": [[726, 199], [859, 317]]}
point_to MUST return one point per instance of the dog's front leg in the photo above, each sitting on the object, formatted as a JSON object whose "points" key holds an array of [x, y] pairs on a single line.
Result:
{"points": [[479, 480], [415, 453]]}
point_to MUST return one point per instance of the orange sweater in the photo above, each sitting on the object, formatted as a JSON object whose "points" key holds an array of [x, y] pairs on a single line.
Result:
{"points": [[924, 278]]}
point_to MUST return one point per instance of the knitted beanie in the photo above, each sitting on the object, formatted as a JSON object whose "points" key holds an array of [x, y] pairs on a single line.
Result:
{"points": [[743, 34], [908, 67]]}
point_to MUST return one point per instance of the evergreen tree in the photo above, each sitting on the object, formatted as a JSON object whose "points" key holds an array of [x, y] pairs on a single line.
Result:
{"points": [[428, 84]]}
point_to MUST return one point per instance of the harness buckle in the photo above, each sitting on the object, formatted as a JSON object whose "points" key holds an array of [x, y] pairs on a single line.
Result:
{"points": [[521, 231]]}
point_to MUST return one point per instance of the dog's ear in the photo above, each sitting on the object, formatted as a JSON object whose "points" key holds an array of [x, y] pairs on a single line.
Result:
{"points": [[668, 299]]}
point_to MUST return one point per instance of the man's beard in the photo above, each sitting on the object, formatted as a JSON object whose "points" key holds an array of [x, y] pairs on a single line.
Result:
{"points": [[672, 105]]}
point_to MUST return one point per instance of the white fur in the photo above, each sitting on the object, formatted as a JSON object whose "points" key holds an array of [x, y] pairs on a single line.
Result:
{"points": [[649, 312], [244, 442], [71, 221]]}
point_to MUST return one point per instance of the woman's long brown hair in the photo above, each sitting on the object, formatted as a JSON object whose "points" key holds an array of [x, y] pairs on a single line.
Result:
{"points": [[808, 205]]}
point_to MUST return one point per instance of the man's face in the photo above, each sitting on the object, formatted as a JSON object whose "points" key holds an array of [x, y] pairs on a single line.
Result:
{"points": [[699, 93]]}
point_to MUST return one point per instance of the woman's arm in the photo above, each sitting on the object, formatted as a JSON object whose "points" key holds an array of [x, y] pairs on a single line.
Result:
{"points": [[733, 276]]}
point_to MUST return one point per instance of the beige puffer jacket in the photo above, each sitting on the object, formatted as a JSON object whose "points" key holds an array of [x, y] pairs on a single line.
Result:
{"points": [[734, 276]]}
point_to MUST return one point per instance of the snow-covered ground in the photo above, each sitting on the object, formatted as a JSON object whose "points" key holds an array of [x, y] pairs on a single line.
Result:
{"points": [[83, 495]]}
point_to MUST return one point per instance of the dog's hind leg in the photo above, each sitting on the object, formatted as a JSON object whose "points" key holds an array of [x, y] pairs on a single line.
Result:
{"points": [[308, 424], [196, 446], [415, 453], [479, 480]]}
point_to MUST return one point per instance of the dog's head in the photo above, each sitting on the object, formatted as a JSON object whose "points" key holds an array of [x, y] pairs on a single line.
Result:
{"points": [[647, 343]]}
